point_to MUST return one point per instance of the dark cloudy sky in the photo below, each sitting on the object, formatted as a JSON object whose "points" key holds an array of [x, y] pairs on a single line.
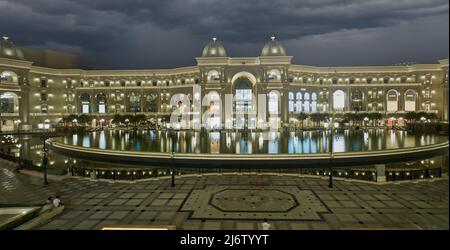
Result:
{"points": [[163, 33]]}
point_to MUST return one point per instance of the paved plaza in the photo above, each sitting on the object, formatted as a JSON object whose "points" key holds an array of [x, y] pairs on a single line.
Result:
{"points": [[237, 202]]}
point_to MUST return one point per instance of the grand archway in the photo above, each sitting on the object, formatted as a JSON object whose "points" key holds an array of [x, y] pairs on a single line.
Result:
{"points": [[244, 100]]}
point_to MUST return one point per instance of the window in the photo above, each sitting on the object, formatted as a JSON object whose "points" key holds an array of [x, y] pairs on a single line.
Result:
{"points": [[213, 75], [298, 102], [352, 80], [122, 83], [306, 106], [392, 100], [44, 109], [9, 102], [338, 100], [313, 102], [369, 80], [273, 102], [335, 81], [43, 96], [138, 83], [135, 102], [291, 102], [85, 103], [101, 103], [43, 83], [386, 80], [107, 84], [410, 100]]}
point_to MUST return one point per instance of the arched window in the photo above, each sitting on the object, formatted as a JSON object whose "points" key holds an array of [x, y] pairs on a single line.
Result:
{"points": [[291, 102], [9, 103], [410, 100], [306, 103], [213, 75], [135, 102], [298, 102], [313, 102], [357, 100], [244, 95], [9, 76], [339, 100], [85, 103], [101, 103], [392, 100], [274, 75], [151, 100]]}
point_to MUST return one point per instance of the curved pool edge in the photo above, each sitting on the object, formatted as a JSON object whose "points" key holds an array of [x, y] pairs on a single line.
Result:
{"points": [[185, 160]]}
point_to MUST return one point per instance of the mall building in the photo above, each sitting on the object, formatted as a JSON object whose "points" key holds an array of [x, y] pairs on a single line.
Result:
{"points": [[38, 89]]}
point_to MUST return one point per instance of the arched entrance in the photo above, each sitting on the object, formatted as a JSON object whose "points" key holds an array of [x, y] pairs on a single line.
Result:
{"points": [[244, 100]]}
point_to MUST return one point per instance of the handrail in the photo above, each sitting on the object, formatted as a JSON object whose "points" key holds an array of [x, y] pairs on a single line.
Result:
{"points": [[250, 157]]}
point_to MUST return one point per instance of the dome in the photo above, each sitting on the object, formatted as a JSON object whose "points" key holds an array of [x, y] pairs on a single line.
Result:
{"points": [[273, 48], [9, 50], [214, 49]]}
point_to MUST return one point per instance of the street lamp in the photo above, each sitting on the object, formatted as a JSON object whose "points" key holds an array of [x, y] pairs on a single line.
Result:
{"points": [[46, 135], [423, 119], [334, 126], [174, 136]]}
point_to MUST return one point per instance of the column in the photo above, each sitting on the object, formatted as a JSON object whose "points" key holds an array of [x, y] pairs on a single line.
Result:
{"points": [[24, 110]]}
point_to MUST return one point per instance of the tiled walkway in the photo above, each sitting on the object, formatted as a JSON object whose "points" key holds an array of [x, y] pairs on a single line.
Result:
{"points": [[237, 202]]}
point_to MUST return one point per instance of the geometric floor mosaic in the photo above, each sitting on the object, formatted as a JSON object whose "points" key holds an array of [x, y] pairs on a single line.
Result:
{"points": [[247, 203]]}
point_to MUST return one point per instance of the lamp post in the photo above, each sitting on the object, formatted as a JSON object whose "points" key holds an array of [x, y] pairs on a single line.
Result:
{"points": [[333, 127], [46, 135], [174, 136], [1, 110]]}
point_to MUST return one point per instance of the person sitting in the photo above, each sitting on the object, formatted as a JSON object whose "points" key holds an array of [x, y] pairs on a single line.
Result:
{"points": [[56, 202], [48, 204]]}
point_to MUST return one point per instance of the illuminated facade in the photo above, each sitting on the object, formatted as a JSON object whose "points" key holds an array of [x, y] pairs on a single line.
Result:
{"points": [[38, 97]]}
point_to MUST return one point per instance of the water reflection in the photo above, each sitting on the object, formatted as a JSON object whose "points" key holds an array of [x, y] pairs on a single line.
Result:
{"points": [[306, 142]]}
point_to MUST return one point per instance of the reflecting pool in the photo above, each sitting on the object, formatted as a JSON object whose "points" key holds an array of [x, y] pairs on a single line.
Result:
{"points": [[307, 142]]}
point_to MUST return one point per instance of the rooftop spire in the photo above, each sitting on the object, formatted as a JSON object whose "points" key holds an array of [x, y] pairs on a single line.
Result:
{"points": [[272, 38], [214, 38]]}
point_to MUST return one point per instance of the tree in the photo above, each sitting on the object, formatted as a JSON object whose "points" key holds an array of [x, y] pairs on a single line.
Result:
{"points": [[118, 119], [411, 117], [84, 119], [301, 117], [374, 117], [431, 116], [318, 117], [137, 119], [351, 117]]}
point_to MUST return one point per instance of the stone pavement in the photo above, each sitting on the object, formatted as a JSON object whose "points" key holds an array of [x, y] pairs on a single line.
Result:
{"points": [[239, 202]]}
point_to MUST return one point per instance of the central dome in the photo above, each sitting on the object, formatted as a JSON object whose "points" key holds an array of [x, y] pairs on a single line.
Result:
{"points": [[9, 50], [273, 48], [214, 49]]}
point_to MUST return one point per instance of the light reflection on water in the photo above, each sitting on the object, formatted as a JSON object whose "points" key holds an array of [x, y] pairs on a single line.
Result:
{"points": [[307, 142]]}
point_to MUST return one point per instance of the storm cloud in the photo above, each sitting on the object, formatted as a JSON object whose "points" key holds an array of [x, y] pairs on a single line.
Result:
{"points": [[162, 34]]}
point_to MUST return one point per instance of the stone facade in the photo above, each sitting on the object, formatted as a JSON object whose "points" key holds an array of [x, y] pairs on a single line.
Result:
{"points": [[37, 97]]}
